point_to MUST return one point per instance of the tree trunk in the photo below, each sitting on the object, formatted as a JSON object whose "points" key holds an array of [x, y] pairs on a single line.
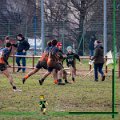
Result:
{"points": [[81, 24]]}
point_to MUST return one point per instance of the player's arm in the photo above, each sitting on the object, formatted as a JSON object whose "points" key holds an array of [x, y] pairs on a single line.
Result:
{"points": [[15, 45], [77, 57], [40, 104], [46, 103], [67, 62]]}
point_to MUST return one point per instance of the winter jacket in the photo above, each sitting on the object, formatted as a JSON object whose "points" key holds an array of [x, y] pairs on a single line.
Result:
{"points": [[98, 57], [22, 45]]}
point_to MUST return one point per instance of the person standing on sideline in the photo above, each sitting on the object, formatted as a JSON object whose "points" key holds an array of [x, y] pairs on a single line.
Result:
{"points": [[22, 46], [91, 45], [6, 40], [98, 60]]}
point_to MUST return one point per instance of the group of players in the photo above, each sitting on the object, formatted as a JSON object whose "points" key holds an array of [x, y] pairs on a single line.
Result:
{"points": [[52, 60]]}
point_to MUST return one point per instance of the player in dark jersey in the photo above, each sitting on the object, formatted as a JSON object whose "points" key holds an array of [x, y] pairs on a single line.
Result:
{"points": [[4, 55], [61, 59], [71, 61], [53, 63], [42, 63]]}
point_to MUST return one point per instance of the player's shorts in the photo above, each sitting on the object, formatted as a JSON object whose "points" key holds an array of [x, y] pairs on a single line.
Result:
{"points": [[64, 72], [71, 65], [3, 67], [57, 66], [41, 64]]}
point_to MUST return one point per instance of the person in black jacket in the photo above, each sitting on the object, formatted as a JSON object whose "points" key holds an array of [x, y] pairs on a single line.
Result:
{"points": [[22, 46]]}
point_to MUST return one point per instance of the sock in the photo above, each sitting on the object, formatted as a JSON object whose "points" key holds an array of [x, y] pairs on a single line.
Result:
{"points": [[55, 81], [73, 79], [42, 79], [14, 87], [66, 81], [59, 80], [26, 77]]}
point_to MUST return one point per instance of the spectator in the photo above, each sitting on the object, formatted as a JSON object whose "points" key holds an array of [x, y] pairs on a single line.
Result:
{"points": [[91, 45], [7, 39], [98, 60], [22, 46]]}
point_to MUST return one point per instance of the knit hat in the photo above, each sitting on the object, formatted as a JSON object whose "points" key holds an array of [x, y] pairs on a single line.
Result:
{"points": [[69, 48]]}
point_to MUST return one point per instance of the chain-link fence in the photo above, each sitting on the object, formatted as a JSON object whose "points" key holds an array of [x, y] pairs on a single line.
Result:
{"points": [[72, 22]]}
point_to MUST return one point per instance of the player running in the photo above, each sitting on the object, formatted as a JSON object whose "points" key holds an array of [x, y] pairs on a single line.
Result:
{"points": [[4, 55], [53, 63], [71, 61], [42, 63]]}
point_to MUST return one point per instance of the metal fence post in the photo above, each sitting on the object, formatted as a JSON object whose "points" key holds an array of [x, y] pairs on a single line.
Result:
{"points": [[119, 67], [13, 62], [106, 68], [33, 61], [90, 66]]}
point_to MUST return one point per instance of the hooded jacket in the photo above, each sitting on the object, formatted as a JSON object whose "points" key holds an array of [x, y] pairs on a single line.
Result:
{"points": [[98, 57], [22, 45]]}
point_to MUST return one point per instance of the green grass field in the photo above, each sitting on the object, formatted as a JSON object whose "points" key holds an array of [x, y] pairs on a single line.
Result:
{"points": [[84, 96]]}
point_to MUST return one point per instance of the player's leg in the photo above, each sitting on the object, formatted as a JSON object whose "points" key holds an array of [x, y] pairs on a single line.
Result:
{"points": [[23, 62], [73, 69], [64, 75], [29, 74], [10, 78], [59, 67], [44, 77], [38, 67], [18, 61], [101, 71], [96, 72], [55, 76], [44, 110]]}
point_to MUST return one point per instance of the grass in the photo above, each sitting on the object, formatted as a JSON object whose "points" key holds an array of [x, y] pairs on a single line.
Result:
{"points": [[84, 96]]}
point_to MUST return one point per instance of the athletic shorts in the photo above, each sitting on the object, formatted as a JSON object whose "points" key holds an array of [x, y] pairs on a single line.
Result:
{"points": [[41, 64], [71, 65], [3, 67], [57, 66]]}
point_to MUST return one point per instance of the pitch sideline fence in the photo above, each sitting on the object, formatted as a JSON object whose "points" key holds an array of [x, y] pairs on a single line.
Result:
{"points": [[106, 69]]}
